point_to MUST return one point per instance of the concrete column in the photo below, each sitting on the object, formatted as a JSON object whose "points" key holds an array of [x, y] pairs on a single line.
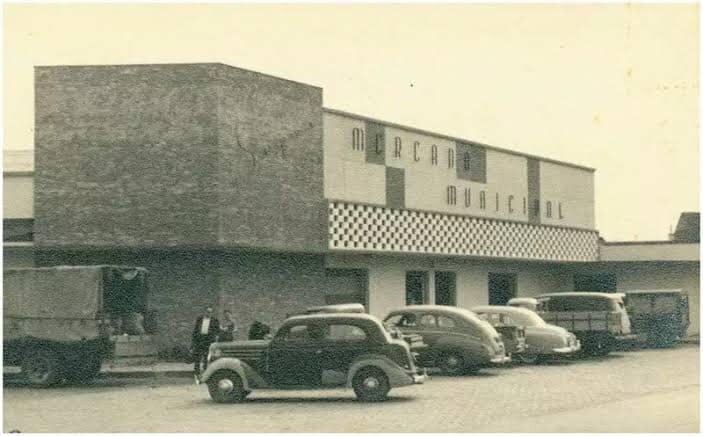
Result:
{"points": [[430, 287]]}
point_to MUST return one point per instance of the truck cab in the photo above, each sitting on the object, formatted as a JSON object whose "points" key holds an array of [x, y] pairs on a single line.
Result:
{"points": [[660, 317]]}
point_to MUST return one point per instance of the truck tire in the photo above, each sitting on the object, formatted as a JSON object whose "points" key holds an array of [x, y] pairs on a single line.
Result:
{"points": [[226, 386], [84, 371], [42, 367]]}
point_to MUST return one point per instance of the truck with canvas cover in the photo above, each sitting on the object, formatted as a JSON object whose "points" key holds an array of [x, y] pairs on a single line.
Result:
{"points": [[61, 323]]}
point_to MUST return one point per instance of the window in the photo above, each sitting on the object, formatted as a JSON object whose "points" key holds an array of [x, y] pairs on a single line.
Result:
{"points": [[416, 147], [357, 139], [451, 195], [467, 161], [561, 215], [579, 304], [450, 158], [341, 332], [510, 203], [445, 322], [398, 147], [467, 197], [428, 321], [497, 203], [379, 141], [549, 209], [482, 200], [297, 333], [434, 155]]}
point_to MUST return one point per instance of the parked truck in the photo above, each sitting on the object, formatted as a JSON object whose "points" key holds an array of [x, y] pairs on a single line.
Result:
{"points": [[62, 323], [598, 319], [659, 317]]}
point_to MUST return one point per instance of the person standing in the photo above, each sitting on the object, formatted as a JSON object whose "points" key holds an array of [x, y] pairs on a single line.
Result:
{"points": [[205, 333], [228, 328]]}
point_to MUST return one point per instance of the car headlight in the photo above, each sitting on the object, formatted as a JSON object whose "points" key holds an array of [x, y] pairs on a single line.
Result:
{"points": [[214, 354]]}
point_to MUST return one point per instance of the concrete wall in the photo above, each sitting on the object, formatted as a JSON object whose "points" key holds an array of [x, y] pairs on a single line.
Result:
{"points": [[387, 277], [501, 177], [17, 195], [666, 251]]}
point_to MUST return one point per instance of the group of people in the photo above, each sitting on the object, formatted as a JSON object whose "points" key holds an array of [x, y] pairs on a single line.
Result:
{"points": [[209, 330]]}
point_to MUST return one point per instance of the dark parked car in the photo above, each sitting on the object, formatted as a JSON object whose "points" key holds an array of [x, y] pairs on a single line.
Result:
{"points": [[457, 340], [353, 345], [660, 317]]}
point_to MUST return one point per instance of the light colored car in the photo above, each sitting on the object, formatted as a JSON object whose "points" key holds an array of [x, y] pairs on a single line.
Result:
{"points": [[542, 340], [524, 302]]}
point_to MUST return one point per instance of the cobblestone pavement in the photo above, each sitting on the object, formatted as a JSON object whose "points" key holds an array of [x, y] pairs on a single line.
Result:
{"points": [[642, 390]]}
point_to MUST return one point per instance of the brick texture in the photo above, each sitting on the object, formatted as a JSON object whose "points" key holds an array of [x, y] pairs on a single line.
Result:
{"points": [[189, 155]]}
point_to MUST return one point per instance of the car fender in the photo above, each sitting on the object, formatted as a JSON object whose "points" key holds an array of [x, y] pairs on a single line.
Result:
{"points": [[397, 376], [250, 377], [470, 347]]}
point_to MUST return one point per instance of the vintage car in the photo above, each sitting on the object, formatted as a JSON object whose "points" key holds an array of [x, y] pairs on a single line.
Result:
{"points": [[524, 302], [542, 340], [598, 319], [457, 340], [353, 345], [659, 317], [513, 335]]}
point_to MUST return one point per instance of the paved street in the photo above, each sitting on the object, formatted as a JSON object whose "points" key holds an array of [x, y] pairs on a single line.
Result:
{"points": [[636, 391]]}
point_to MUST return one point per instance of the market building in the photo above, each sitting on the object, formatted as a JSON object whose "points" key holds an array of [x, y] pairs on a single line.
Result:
{"points": [[239, 190]]}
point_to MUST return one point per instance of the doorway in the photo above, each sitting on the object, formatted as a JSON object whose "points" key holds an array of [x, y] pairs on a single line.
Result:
{"points": [[346, 286], [501, 288], [445, 288], [416, 284]]}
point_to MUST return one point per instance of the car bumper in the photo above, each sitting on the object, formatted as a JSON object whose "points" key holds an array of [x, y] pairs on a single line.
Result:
{"points": [[500, 359], [568, 350]]}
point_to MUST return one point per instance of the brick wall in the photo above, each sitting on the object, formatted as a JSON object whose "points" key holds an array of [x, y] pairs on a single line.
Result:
{"points": [[255, 286], [188, 155]]}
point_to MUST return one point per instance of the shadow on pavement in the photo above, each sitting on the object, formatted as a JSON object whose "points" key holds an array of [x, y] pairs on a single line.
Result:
{"points": [[332, 400]]}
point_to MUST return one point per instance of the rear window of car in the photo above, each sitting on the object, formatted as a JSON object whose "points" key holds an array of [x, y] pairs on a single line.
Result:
{"points": [[297, 333], [445, 322], [428, 321], [402, 320], [580, 304]]}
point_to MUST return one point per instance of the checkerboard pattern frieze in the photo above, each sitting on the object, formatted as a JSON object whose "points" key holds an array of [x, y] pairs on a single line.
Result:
{"points": [[358, 227]]}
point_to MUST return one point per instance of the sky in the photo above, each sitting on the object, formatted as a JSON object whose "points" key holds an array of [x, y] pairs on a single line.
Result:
{"points": [[609, 86]]}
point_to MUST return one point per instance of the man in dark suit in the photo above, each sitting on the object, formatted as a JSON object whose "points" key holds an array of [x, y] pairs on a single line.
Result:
{"points": [[205, 333]]}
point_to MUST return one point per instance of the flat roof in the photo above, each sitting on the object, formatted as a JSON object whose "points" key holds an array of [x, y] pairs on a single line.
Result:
{"points": [[455, 138]]}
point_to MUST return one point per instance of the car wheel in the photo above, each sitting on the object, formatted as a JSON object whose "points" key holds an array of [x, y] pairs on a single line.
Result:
{"points": [[84, 372], [528, 359], [226, 387], [42, 367], [371, 384], [600, 347], [452, 363]]}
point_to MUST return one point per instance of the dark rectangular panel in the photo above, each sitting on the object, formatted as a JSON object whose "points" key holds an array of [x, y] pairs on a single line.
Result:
{"points": [[533, 199], [470, 162], [478, 164], [375, 143], [395, 188]]}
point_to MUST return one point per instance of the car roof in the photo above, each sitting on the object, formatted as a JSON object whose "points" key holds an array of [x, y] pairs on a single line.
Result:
{"points": [[523, 300], [612, 296], [436, 308], [334, 316], [501, 309], [655, 291]]}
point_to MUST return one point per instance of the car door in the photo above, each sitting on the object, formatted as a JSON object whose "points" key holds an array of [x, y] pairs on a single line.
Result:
{"points": [[295, 356], [342, 344]]}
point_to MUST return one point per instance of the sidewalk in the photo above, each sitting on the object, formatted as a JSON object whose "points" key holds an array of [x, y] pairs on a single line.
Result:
{"points": [[156, 369]]}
